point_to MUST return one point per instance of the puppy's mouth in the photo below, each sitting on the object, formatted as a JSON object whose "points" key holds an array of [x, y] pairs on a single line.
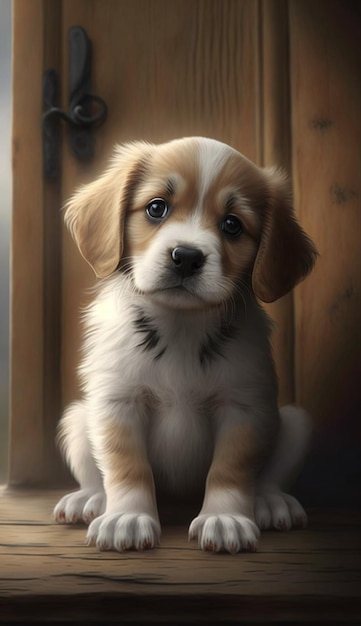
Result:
{"points": [[176, 295], [181, 296]]}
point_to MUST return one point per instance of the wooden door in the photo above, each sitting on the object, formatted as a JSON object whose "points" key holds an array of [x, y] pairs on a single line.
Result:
{"points": [[325, 57], [166, 68]]}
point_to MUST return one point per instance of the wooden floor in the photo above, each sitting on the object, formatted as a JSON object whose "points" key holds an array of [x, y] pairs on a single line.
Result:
{"points": [[48, 575]]}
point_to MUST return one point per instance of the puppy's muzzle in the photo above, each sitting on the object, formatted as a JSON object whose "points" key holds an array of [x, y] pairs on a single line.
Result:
{"points": [[187, 261]]}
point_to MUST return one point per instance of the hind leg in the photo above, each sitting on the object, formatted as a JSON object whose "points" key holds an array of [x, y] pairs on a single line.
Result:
{"points": [[89, 501], [273, 507]]}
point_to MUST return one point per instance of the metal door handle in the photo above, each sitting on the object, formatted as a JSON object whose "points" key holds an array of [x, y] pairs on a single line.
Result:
{"points": [[80, 114]]}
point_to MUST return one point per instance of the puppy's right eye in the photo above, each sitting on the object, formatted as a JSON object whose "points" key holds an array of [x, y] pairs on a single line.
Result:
{"points": [[157, 209]]}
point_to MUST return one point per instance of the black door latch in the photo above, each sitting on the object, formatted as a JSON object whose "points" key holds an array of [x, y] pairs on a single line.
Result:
{"points": [[85, 109]]}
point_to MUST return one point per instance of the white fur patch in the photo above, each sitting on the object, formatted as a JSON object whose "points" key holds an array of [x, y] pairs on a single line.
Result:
{"points": [[212, 159]]}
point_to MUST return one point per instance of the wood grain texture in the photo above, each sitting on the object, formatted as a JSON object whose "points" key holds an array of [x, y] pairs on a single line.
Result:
{"points": [[35, 275], [27, 260], [326, 126], [275, 149], [53, 467], [47, 571]]}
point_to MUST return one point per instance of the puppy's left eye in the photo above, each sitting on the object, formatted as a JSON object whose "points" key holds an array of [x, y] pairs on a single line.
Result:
{"points": [[157, 209], [231, 226]]}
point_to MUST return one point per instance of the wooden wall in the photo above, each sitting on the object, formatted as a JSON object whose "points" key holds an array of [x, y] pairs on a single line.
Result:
{"points": [[279, 80], [325, 71]]}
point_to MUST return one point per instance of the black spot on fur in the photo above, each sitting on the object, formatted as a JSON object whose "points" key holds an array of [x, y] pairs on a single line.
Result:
{"points": [[151, 336], [214, 343]]}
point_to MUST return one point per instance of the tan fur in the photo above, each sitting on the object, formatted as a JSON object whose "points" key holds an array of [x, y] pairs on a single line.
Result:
{"points": [[125, 458], [95, 214], [234, 459], [232, 468], [179, 168], [286, 255]]}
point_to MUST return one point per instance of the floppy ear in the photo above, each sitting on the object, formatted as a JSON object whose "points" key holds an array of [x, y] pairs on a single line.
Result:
{"points": [[95, 213], [285, 255]]}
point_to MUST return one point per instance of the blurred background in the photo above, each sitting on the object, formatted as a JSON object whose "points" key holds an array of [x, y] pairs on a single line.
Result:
{"points": [[5, 212]]}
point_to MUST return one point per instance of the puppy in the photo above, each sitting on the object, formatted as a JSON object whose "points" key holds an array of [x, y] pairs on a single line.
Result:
{"points": [[179, 388]]}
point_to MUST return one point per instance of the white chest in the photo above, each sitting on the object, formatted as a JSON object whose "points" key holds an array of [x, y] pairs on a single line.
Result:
{"points": [[180, 441]]}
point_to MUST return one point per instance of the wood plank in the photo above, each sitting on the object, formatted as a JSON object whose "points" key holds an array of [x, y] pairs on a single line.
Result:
{"points": [[276, 150], [53, 466], [326, 105], [35, 265], [27, 340], [45, 569]]}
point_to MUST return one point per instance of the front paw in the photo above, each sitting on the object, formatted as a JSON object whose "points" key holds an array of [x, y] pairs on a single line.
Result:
{"points": [[81, 506], [279, 510], [225, 533], [124, 531]]}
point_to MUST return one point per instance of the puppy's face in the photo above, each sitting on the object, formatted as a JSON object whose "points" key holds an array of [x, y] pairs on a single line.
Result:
{"points": [[191, 234], [190, 221]]}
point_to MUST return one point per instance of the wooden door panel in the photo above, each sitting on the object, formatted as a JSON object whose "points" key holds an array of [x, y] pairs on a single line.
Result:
{"points": [[170, 68], [27, 249], [35, 254], [276, 150], [326, 96]]}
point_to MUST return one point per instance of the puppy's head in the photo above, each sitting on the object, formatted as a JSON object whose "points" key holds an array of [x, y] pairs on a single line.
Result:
{"points": [[190, 221]]}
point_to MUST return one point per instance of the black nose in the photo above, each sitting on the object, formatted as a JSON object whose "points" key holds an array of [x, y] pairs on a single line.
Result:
{"points": [[187, 261]]}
